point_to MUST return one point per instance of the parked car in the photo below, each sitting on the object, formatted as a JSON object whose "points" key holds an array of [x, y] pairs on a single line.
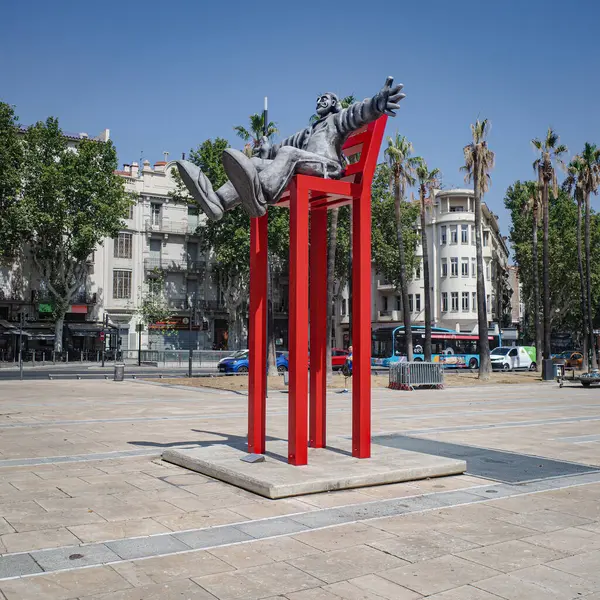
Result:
{"points": [[510, 358], [241, 364], [236, 355], [338, 358], [570, 358]]}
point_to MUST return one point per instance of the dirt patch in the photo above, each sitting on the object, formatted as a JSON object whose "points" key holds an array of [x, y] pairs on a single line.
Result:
{"points": [[238, 383]]}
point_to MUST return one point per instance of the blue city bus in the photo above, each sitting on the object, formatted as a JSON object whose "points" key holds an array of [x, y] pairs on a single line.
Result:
{"points": [[451, 348]]}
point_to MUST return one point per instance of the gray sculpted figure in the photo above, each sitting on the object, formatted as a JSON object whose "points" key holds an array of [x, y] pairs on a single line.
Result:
{"points": [[317, 150]]}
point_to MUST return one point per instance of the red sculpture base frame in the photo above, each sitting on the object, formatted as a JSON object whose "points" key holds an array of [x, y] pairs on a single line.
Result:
{"points": [[315, 195]]}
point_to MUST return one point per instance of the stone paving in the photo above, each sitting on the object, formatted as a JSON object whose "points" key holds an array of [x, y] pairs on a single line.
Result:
{"points": [[88, 510]]}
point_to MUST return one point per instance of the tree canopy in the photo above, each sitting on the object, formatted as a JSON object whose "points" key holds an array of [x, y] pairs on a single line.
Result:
{"points": [[71, 201]]}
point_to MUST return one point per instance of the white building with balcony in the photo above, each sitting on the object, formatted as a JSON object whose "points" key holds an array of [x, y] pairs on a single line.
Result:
{"points": [[160, 235], [452, 268]]}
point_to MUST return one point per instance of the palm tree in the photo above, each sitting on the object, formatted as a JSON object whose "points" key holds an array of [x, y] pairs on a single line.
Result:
{"points": [[253, 135], [572, 182], [588, 180], [534, 207], [428, 180], [479, 161], [550, 154], [402, 167], [252, 138]]}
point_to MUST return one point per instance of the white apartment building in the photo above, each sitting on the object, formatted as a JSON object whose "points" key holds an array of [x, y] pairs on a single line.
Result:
{"points": [[452, 268], [160, 235]]}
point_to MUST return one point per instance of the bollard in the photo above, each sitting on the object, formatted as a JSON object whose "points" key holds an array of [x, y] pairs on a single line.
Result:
{"points": [[97, 355], [119, 372], [33, 358]]}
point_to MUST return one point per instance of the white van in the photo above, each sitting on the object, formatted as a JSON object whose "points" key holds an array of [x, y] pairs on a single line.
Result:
{"points": [[509, 358]]}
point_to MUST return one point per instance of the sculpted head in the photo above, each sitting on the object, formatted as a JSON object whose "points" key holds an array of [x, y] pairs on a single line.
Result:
{"points": [[327, 103]]}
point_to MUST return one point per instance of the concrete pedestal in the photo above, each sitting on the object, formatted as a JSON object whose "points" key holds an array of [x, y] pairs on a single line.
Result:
{"points": [[332, 468]]}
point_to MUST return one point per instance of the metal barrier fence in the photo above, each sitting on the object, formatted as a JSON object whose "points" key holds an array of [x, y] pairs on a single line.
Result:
{"points": [[177, 358], [170, 358], [407, 376]]}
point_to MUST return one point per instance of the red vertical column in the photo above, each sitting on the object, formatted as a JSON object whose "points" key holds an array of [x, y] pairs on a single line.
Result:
{"points": [[257, 336], [319, 328], [361, 325], [298, 326]]}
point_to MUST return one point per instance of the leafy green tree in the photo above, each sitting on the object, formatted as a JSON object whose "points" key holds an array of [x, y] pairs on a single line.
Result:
{"points": [[384, 230], [71, 201], [428, 181], [401, 172], [11, 158], [479, 161], [571, 184], [533, 208], [550, 152], [565, 304], [228, 241], [153, 308], [587, 165]]}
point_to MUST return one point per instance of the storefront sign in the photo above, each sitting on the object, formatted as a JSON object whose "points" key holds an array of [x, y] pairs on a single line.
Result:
{"points": [[46, 308], [79, 308], [174, 323]]}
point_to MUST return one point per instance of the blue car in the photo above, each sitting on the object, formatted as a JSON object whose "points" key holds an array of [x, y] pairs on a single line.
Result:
{"points": [[238, 363]]}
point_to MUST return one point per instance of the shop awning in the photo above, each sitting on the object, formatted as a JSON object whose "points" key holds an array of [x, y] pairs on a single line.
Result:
{"points": [[37, 331], [86, 329], [8, 328]]}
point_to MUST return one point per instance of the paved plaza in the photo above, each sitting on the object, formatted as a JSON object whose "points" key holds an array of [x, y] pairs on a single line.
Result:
{"points": [[89, 510]]}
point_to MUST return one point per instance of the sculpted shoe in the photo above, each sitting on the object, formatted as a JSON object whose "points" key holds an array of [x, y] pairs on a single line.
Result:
{"points": [[244, 177], [201, 189]]}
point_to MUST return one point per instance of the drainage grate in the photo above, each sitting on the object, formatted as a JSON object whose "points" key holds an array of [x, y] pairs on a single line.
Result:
{"points": [[507, 467]]}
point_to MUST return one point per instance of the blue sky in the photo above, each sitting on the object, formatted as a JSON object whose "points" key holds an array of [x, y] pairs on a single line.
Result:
{"points": [[166, 76]]}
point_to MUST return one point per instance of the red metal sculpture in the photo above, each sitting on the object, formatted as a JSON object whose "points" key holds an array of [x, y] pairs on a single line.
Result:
{"points": [[308, 195]]}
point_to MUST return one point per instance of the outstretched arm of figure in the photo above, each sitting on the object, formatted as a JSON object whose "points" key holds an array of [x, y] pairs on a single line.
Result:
{"points": [[386, 102]]}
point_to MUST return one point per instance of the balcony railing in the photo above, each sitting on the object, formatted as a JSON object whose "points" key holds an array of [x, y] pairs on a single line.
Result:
{"points": [[382, 284], [172, 264], [388, 315], [168, 226]]}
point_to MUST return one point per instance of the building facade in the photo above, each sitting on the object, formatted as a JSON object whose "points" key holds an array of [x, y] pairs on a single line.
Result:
{"points": [[452, 268]]}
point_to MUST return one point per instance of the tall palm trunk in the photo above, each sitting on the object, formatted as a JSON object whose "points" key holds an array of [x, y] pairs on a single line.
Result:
{"points": [[582, 282], [588, 282], [485, 365], [546, 269], [426, 283], [331, 250], [536, 290], [403, 279]]}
